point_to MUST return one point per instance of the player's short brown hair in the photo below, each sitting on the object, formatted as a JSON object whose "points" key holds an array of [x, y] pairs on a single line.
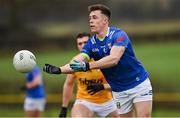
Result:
{"points": [[104, 9], [83, 34]]}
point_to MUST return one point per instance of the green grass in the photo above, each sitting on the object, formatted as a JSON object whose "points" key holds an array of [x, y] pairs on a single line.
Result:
{"points": [[160, 59], [165, 112], [162, 62]]}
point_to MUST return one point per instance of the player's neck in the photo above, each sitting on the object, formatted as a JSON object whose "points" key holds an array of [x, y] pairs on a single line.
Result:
{"points": [[102, 33]]}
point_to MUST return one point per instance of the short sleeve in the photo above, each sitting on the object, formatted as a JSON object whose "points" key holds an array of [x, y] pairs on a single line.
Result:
{"points": [[121, 39], [87, 48], [36, 71]]}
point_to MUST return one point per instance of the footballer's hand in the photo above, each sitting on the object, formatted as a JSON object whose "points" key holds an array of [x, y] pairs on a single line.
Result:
{"points": [[63, 112], [94, 88], [79, 66], [51, 69]]}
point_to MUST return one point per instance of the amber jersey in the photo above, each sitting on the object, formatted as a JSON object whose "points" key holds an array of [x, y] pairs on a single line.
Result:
{"points": [[92, 76]]}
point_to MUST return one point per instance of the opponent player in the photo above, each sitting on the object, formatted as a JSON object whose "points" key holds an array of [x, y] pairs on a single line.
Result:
{"points": [[88, 102], [35, 94], [113, 53]]}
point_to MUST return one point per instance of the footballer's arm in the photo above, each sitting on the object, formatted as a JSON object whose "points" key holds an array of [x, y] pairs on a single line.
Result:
{"points": [[68, 89], [66, 69], [110, 60], [36, 82], [107, 86]]}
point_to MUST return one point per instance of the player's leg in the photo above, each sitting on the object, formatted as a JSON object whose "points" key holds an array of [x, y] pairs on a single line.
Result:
{"points": [[34, 107], [30, 114], [107, 109], [29, 107], [143, 109], [143, 99], [126, 115], [40, 106], [113, 114], [80, 110], [37, 113], [124, 104]]}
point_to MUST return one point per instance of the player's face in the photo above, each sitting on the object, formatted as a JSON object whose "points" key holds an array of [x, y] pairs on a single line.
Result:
{"points": [[81, 42], [97, 21]]}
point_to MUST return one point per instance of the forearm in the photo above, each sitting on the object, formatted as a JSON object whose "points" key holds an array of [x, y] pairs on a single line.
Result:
{"points": [[66, 69], [110, 60], [105, 62], [107, 86], [67, 95], [36, 82], [31, 85]]}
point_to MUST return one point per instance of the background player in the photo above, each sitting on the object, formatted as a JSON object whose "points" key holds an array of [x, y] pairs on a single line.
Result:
{"points": [[35, 94], [87, 104]]}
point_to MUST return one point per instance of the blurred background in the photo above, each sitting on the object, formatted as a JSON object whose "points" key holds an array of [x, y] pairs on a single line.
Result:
{"points": [[48, 29]]}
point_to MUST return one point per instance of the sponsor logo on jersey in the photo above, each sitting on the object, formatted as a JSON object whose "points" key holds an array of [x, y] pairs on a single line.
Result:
{"points": [[102, 46], [84, 81], [120, 39], [95, 50]]}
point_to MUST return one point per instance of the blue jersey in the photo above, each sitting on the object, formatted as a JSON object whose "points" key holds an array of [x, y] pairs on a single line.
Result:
{"points": [[129, 72], [38, 91]]}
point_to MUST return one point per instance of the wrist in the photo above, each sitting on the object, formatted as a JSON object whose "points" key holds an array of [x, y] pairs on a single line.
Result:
{"points": [[87, 66], [106, 86], [56, 70]]}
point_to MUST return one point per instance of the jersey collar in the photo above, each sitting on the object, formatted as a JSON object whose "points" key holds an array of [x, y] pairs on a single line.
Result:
{"points": [[107, 34]]}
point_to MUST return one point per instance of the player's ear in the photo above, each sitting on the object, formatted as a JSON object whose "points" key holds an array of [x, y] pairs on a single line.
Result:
{"points": [[105, 20]]}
